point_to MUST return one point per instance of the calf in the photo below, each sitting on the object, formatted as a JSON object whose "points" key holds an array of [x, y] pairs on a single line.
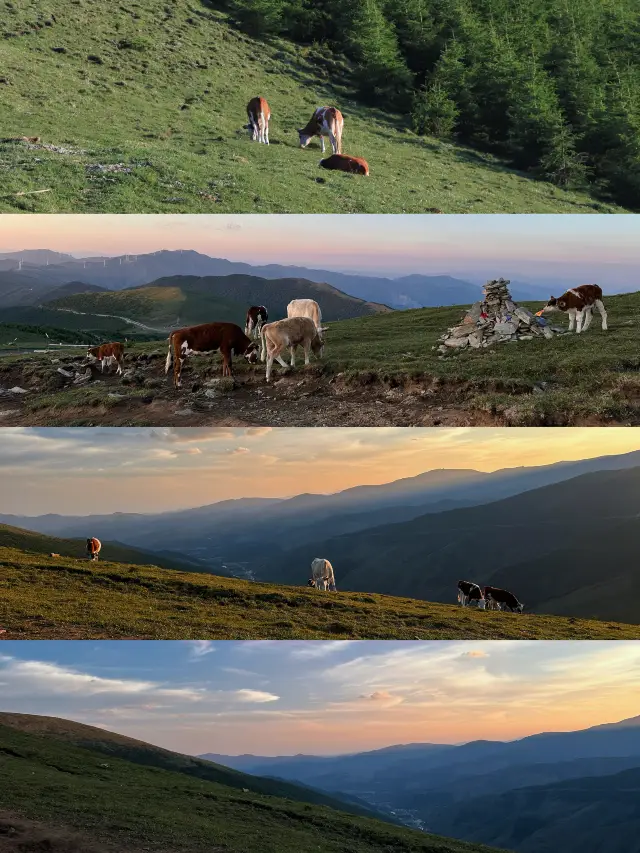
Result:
{"points": [[468, 592], [257, 316], [325, 120], [94, 547], [322, 575], [345, 163], [107, 354], [209, 337], [500, 597], [259, 115], [291, 333], [579, 303]]}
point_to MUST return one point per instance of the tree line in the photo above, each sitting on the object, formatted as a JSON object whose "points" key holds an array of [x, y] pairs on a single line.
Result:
{"points": [[552, 85]]}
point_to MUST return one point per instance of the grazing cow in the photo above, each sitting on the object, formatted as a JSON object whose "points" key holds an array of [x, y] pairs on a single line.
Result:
{"points": [[257, 316], [322, 575], [107, 354], [209, 337], [500, 597], [306, 308], [259, 115], [291, 333], [93, 548], [468, 592], [579, 303], [325, 121], [345, 163], [55, 555]]}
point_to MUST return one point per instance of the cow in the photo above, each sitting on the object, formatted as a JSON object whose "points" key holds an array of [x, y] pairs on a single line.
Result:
{"points": [[468, 592], [499, 597], [325, 120], [56, 555], [259, 115], [208, 337], [345, 163], [578, 303], [257, 316], [322, 575], [306, 308], [94, 547], [291, 333], [107, 354]]}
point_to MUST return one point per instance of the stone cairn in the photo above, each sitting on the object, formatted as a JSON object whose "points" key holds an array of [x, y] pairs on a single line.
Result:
{"points": [[496, 319]]}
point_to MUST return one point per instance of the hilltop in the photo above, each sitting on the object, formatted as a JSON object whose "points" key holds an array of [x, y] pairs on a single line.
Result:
{"points": [[142, 109], [381, 369], [64, 598], [132, 796]]}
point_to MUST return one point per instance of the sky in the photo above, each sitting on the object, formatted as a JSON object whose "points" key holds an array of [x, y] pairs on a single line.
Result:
{"points": [[103, 470], [322, 697], [600, 247]]}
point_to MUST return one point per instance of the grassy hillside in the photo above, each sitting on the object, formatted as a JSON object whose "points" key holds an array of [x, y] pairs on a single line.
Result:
{"points": [[191, 299], [121, 801], [383, 369], [141, 109], [65, 598], [39, 545]]}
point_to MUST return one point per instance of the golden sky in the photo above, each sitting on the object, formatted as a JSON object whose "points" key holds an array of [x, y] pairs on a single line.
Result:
{"points": [[142, 470]]}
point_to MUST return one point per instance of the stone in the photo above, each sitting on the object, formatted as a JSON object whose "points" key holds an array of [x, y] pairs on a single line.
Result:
{"points": [[456, 342], [223, 384], [524, 315], [65, 373], [508, 328]]}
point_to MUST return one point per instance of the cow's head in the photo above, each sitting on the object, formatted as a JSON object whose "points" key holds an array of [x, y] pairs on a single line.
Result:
{"points": [[482, 604], [317, 345], [305, 138], [311, 582], [519, 608], [252, 352], [92, 353], [553, 305]]}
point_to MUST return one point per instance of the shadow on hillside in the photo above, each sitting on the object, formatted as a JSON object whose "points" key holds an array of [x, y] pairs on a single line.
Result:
{"points": [[18, 835]]}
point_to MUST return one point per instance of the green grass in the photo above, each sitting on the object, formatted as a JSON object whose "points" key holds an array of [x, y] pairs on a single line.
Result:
{"points": [[131, 805], [587, 379], [66, 598], [163, 90]]}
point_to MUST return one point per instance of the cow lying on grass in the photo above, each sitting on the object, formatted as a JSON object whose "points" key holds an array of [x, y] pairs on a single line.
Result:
{"points": [[345, 163], [107, 354], [290, 333], [579, 303], [209, 337]]}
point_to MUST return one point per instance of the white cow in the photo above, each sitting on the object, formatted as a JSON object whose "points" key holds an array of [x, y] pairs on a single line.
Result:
{"points": [[289, 333], [322, 575], [306, 308]]}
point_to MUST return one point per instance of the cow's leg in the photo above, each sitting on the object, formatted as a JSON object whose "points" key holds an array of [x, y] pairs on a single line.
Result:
{"points": [[334, 142], [572, 319], [603, 314], [579, 321], [119, 371], [266, 132], [322, 142], [307, 353], [178, 361], [292, 350]]}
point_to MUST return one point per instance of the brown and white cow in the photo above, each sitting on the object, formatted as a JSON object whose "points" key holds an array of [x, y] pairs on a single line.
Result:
{"points": [[345, 163], [94, 546], [326, 121], [209, 337], [107, 354], [290, 333], [579, 303], [259, 115], [257, 316], [306, 308], [499, 597], [468, 592]]}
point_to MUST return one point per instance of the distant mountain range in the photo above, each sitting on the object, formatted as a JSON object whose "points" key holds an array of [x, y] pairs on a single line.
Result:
{"points": [[574, 792], [35, 282], [415, 537]]}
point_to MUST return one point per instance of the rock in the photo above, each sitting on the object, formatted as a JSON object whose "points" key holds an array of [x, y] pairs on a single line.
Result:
{"points": [[475, 340], [211, 393], [184, 412], [508, 328], [525, 315], [17, 390], [223, 384], [113, 396], [457, 342], [82, 377], [65, 373], [152, 383]]}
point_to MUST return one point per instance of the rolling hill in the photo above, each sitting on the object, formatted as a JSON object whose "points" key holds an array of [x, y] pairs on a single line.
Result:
{"points": [[67, 597], [547, 792], [132, 795], [144, 112], [190, 299], [521, 543]]}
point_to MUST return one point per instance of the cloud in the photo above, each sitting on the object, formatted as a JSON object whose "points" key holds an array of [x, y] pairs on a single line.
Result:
{"points": [[477, 653], [200, 648], [310, 649], [382, 697], [238, 451], [255, 696]]}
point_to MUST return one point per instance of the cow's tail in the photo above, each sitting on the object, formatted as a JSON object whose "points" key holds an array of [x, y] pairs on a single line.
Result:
{"points": [[169, 361]]}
